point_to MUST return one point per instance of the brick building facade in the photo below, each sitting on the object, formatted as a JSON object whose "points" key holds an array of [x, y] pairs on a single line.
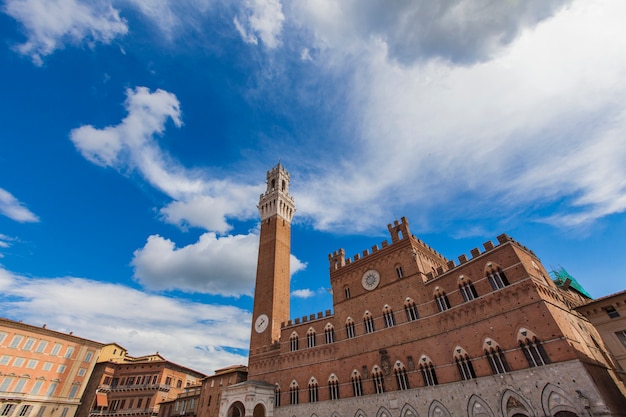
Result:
{"points": [[415, 334]]}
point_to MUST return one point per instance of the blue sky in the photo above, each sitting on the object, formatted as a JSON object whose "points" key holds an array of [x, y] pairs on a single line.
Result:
{"points": [[135, 138]]}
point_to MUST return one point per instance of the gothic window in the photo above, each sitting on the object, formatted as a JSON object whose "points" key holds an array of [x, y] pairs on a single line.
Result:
{"points": [[467, 290], [293, 342], [428, 371], [329, 333], [410, 308], [399, 271], [496, 277], [390, 319], [495, 356], [293, 393], [532, 348], [368, 322], [333, 387], [378, 379], [401, 376], [313, 390], [442, 301], [357, 384], [463, 363], [310, 338], [276, 396], [350, 333]]}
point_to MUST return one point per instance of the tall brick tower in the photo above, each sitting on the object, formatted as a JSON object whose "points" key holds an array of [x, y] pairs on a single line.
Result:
{"points": [[271, 294]]}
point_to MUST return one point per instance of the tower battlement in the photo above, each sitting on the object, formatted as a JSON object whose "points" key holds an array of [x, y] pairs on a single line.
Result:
{"points": [[276, 200]]}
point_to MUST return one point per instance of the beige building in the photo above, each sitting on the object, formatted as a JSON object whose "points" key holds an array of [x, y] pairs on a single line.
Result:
{"points": [[122, 385], [608, 315], [43, 373]]}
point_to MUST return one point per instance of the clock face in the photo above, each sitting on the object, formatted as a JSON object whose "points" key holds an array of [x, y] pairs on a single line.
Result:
{"points": [[370, 279], [261, 323]]}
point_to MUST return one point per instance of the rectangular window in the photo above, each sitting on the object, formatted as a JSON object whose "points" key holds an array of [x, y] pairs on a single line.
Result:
{"points": [[7, 409], [47, 366], [6, 383], [42, 410], [29, 343], [88, 356], [25, 410], [18, 362], [621, 335], [139, 402], [73, 391], [4, 359], [32, 363], [41, 346], [19, 387], [36, 388], [64, 412], [17, 339], [56, 349], [51, 389], [2, 336], [611, 311], [131, 380], [69, 352], [61, 369], [82, 371]]}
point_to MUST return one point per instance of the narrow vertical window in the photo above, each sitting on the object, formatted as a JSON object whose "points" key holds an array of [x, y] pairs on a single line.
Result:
{"points": [[427, 370], [293, 342], [313, 390], [276, 396], [442, 301], [497, 279], [379, 381], [402, 379], [357, 384], [293, 393], [350, 333], [310, 338], [464, 364], [390, 319], [346, 292], [368, 322], [333, 387], [410, 308], [467, 290], [329, 333]]}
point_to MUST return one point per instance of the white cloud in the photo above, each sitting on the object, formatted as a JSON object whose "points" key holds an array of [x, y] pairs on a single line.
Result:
{"points": [[261, 19], [141, 322], [536, 122], [15, 209], [50, 24], [304, 293], [214, 265]]}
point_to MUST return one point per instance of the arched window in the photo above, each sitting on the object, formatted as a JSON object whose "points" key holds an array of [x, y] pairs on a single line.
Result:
{"points": [[276, 395], [467, 290], [532, 348], [329, 333], [350, 333], [293, 393], [463, 363], [368, 322], [333, 387], [390, 319], [442, 300], [399, 271], [401, 376], [427, 370], [496, 276], [283, 186], [378, 379], [313, 390], [495, 356], [293, 342], [410, 308], [357, 383], [310, 337]]}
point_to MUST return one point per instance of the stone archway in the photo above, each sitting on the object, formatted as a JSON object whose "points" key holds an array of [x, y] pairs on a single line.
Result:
{"points": [[259, 411], [236, 409]]}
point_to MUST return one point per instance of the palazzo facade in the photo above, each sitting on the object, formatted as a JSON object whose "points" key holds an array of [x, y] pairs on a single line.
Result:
{"points": [[413, 334]]}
